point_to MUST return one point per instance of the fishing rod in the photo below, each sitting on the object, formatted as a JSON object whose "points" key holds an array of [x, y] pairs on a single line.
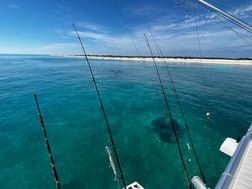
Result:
{"points": [[47, 143], [169, 114], [188, 131], [102, 108], [183, 117]]}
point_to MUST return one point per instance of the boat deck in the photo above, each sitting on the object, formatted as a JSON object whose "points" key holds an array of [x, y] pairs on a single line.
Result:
{"points": [[238, 173], [243, 175]]}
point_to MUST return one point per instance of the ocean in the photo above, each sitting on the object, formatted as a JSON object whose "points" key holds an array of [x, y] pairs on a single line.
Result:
{"points": [[137, 115]]}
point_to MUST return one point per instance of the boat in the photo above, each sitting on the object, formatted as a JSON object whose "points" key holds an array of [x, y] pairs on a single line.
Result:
{"points": [[238, 173]]}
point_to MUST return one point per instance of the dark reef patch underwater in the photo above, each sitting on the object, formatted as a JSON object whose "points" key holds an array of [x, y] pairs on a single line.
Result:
{"points": [[164, 129]]}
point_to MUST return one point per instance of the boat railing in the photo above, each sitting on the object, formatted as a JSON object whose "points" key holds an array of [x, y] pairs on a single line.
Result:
{"points": [[229, 174]]}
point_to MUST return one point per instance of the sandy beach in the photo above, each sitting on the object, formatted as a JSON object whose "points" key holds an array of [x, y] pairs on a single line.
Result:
{"points": [[175, 60]]}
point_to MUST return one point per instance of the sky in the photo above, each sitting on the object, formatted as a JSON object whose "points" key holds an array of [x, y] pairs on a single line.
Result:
{"points": [[118, 27]]}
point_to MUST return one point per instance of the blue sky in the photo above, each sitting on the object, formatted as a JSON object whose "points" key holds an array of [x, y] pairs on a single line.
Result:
{"points": [[117, 27]]}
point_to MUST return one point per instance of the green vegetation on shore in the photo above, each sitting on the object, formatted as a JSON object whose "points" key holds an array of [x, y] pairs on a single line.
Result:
{"points": [[176, 57]]}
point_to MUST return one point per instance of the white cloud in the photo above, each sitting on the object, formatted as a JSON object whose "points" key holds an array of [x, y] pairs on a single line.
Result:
{"points": [[144, 9], [10, 5], [174, 37], [109, 40], [242, 12], [58, 48], [174, 33], [91, 26], [248, 9], [13, 6], [53, 48]]}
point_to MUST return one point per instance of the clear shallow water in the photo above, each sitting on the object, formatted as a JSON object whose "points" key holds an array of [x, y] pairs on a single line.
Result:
{"points": [[134, 105]]}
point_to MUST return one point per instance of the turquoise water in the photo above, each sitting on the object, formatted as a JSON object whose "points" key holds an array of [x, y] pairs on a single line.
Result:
{"points": [[136, 111]]}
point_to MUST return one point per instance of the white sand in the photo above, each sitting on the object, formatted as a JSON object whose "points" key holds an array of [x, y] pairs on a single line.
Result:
{"points": [[175, 60]]}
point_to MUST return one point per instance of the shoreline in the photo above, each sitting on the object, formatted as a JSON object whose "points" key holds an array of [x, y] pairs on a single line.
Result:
{"points": [[172, 59]]}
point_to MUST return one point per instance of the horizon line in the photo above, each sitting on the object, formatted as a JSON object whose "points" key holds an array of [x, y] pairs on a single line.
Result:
{"points": [[131, 56]]}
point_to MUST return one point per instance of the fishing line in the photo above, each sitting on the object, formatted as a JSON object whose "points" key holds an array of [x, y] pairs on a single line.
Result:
{"points": [[182, 113], [239, 34], [169, 114], [47, 143], [206, 104], [185, 122], [203, 78], [231, 5], [227, 16], [118, 6], [102, 108], [177, 99], [176, 95], [178, 102]]}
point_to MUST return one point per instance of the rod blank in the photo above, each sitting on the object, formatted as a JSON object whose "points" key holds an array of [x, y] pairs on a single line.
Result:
{"points": [[47, 144]]}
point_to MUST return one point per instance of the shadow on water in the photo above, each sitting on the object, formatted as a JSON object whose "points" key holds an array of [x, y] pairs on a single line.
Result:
{"points": [[117, 73], [163, 127]]}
